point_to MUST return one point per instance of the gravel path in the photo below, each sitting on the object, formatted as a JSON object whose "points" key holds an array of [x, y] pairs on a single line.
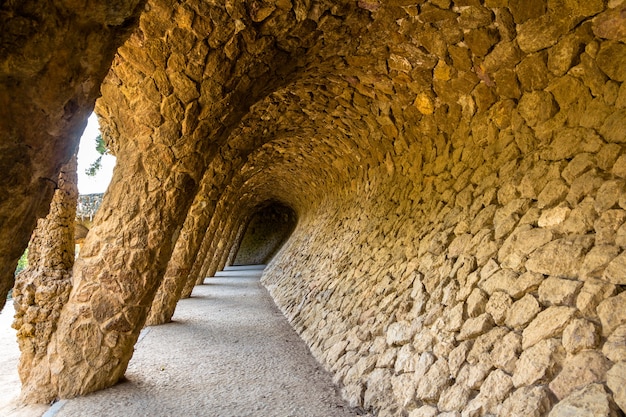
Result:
{"points": [[229, 352]]}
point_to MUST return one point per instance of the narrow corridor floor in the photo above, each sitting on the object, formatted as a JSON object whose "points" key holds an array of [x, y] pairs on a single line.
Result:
{"points": [[228, 353]]}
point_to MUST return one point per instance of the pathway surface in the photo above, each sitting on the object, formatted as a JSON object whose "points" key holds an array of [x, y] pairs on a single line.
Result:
{"points": [[228, 353]]}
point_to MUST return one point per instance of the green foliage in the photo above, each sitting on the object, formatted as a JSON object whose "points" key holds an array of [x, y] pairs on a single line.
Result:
{"points": [[101, 147], [22, 263], [94, 167]]}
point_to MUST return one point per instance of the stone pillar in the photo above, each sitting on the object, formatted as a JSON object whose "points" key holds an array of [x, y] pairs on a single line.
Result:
{"points": [[229, 240], [50, 75], [44, 286], [237, 244], [115, 278]]}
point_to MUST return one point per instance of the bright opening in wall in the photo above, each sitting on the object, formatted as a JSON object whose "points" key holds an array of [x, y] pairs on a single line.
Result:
{"points": [[88, 154]]}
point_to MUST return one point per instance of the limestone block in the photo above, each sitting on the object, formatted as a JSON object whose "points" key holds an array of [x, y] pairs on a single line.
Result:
{"points": [[592, 294], [619, 168], [562, 257], [405, 359], [558, 291], [483, 345], [424, 411], [501, 280], [495, 389], [457, 357], [580, 334], [481, 40], [525, 10], [522, 312], [541, 32], [581, 218], [608, 196], [611, 59], [454, 318], [539, 363], [424, 104], [454, 398], [607, 225], [387, 359], [536, 107], [523, 241], [498, 306], [612, 313], [533, 74], [549, 323], [615, 346], [610, 24], [585, 185], [352, 393], [472, 376], [506, 351], [562, 55], [433, 383], [580, 164], [596, 261], [476, 303], [616, 381], [608, 156], [425, 361], [379, 390], [579, 370], [589, 401], [476, 326], [336, 351], [403, 387], [527, 401], [615, 272], [553, 193], [400, 333]]}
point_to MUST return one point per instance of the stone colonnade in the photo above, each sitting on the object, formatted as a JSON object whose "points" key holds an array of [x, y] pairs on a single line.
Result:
{"points": [[458, 171]]}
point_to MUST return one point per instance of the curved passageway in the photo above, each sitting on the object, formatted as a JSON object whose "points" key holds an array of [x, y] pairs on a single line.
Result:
{"points": [[228, 352]]}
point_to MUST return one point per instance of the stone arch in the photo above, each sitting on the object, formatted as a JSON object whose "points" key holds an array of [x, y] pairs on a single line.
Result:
{"points": [[457, 168]]}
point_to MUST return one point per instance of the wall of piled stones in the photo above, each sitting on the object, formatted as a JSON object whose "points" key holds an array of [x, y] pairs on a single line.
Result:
{"points": [[457, 169], [481, 272]]}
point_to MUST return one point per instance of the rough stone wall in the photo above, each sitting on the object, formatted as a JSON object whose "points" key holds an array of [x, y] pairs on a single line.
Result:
{"points": [[481, 272], [265, 234], [457, 168], [53, 57]]}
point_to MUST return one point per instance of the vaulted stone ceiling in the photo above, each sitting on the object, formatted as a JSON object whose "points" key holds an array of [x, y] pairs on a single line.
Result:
{"points": [[457, 169]]}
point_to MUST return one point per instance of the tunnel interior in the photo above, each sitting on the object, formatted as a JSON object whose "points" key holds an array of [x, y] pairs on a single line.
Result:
{"points": [[457, 168], [266, 232]]}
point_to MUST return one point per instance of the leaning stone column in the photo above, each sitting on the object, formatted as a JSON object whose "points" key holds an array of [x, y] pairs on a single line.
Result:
{"points": [[235, 248], [44, 286]]}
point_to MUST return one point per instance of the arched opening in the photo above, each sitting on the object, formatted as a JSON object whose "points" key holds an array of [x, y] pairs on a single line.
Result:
{"points": [[267, 230]]}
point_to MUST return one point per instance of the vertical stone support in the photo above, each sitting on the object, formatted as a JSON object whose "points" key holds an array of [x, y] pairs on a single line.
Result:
{"points": [[179, 265], [237, 244], [44, 286], [51, 68], [121, 264], [229, 242]]}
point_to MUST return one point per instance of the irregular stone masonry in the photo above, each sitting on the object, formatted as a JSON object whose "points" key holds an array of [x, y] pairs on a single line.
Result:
{"points": [[52, 61], [458, 173]]}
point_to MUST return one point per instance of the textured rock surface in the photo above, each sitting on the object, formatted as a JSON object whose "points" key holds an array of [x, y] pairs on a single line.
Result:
{"points": [[44, 286], [52, 62], [456, 169]]}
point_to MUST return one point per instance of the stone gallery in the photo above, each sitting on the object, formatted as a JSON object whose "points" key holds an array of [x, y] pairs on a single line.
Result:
{"points": [[453, 172]]}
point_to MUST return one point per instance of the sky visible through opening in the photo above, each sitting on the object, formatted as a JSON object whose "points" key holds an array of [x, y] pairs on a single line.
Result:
{"points": [[87, 154]]}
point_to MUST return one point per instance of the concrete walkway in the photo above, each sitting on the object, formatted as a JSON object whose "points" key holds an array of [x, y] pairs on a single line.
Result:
{"points": [[228, 352]]}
